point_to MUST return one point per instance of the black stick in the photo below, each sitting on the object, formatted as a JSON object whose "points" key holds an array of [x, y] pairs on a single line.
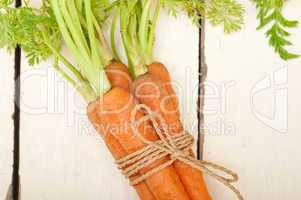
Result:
{"points": [[201, 91], [16, 119]]}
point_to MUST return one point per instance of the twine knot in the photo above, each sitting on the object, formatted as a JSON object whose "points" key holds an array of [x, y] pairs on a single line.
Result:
{"points": [[177, 154], [175, 146]]}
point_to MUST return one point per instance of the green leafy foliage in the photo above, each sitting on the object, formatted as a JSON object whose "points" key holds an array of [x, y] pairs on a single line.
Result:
{"points": [[5, 3], [270, 13], [38, 32], [24, 26], [102, 9], [193, 8], [227, 13]]}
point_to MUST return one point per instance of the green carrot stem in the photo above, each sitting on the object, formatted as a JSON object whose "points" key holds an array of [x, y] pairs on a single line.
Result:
{"points": [[63, 73], [85, 50], [77, 35], [130, 39], [144, 26], [112, 36], [91, 32], [81, 83], [105, 53], [83, 88], [150, 44]]}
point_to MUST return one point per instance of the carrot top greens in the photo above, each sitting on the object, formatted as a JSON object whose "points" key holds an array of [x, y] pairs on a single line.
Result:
{"points": [[41, 32], [19, 26], [270, 12], [84, 39], [138, 22]]}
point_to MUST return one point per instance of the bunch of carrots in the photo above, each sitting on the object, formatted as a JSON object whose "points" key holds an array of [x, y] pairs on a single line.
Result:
{"points": [[111, 88]]}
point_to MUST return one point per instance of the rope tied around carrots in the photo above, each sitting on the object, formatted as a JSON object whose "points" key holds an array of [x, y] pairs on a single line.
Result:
{"points": [[176, 146]]}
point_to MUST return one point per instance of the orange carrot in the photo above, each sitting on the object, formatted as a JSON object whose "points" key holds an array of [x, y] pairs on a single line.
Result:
{"points": [[152, 86], [118, 75], [116, 150], [150, 90], [112, 112], [160, 71]]}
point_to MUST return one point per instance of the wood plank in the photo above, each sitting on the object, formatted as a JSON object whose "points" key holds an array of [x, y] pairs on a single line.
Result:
{"points": [[6, 122], [246, 118], [61, 155]]}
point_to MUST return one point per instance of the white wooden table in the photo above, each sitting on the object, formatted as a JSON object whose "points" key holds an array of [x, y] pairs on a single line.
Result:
{"points": [[252, 118]]}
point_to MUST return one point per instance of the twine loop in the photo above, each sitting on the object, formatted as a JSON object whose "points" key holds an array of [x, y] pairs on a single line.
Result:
{"points": [[177, 147]]}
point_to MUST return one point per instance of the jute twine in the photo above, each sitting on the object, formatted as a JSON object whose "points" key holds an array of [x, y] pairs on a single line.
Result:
{"points": [[175, 146]]}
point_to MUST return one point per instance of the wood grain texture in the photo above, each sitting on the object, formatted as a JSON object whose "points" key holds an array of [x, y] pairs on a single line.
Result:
{"points": [[61, 155], [6, 122], [253, 111]]}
